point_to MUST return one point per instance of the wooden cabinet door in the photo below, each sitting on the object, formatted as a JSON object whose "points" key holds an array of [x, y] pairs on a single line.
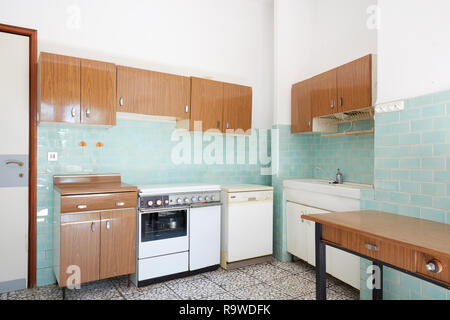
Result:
{"points": [[237, 112], [206, 104], [324, 94], [98, 92], [59, 88], [153, 93], [118, 243], [301, 107], [354, 82], [79, 247]]}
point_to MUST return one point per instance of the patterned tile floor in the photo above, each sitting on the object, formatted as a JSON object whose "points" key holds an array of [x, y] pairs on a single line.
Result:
{"points": [[267, 281]]}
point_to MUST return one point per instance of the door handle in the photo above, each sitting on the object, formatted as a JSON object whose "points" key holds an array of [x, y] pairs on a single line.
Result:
{"points": [[120, 204], [228, 125], [121, 101], [81, 206], [187, 108], [371, 247], [332, 104], [19, 163], [88, 112], [108, 225], [73, 112], [93, 226], [341, 102]]}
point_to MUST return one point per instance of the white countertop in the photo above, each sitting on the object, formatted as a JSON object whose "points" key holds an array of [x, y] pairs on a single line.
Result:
{"points": [[245, 188], [348, 190]]}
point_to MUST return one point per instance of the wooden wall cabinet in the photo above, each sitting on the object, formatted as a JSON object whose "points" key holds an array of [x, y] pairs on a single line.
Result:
{"points": [[59, 88], [354, 84], [77, 91], [207, 104], [301, 107], [237, 112], [152, 93], [220, 106], [324, 94], [346, 88]]}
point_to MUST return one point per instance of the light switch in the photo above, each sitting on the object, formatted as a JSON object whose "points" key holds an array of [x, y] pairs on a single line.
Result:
{"points": [[53, 156]]}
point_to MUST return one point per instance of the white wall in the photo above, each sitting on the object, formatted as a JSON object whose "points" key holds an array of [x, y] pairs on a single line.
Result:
{"points": [[228, 40], [312, 36], [414, 48]]}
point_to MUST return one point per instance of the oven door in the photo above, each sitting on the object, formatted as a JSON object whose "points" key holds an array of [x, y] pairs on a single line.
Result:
{"points": [[163, 231]]}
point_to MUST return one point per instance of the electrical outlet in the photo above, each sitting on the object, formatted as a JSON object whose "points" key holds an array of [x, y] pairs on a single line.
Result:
{"points": [[390, 107], [53, 156]]}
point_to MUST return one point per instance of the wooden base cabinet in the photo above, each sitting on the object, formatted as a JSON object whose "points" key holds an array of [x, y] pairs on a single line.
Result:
{"points": [[301, 243], [94, 245], [117, 243]]}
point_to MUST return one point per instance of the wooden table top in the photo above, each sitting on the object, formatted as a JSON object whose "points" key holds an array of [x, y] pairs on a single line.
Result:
{"points": [[419, 233]]}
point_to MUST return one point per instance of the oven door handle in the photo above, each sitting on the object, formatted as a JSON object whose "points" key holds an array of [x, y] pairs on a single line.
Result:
{"points": [[162, 210], [213, 204]]}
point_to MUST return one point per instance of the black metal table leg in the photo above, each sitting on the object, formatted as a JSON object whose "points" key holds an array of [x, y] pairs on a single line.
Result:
{"points": [[377, 291], [321, 276]]}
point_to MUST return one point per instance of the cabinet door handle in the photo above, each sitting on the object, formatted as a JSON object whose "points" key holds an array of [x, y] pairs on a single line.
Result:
{"points": [[88, 112], [341, 102], [218, 124], [228, 125], [187, 108], [308, 123], [108, 225], [332, 104], [371, 247], [121, 101], [93, 226], [120, 204], [73, 112], [81, 206]]}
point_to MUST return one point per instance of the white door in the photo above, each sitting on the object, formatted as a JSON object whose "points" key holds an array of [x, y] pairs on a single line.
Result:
{"points": [[14, 128], [204, 241]]}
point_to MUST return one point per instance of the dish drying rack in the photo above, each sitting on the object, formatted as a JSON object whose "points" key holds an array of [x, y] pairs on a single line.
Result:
{"points": [[350, 117]]}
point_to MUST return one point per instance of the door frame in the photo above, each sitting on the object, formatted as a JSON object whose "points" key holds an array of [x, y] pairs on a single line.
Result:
{"points": [[32, 182]]}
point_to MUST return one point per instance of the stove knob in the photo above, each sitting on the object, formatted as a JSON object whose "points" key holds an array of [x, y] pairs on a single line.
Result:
{"points": [[150, 203], [194, 199], [200, 199], [186, 200], [179, 201], [213, 198], [158, 202], [206, 198]]}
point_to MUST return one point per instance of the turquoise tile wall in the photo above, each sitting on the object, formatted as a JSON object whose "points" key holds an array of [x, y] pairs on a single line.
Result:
{"points": [[141, 152], [412, 178], [300, 154]]}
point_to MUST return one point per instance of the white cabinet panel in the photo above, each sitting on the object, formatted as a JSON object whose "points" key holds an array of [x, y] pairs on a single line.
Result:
{"points": [[301, 235]]}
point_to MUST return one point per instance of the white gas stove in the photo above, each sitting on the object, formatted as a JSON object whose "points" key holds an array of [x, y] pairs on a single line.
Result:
{"points": [[178, 231]]}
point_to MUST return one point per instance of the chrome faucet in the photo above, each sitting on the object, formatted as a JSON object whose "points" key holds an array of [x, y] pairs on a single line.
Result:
{"points": [[336, 180]]}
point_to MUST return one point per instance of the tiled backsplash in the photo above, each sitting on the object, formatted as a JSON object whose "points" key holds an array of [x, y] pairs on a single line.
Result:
{"points": [[300, 154], [141, 152], [412, 178]]}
